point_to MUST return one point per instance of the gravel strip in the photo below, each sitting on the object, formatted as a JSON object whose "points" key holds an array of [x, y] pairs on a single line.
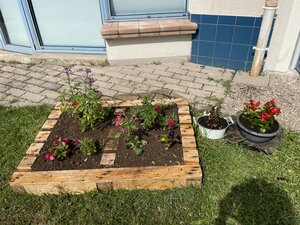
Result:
{"points": [[285, 89]]}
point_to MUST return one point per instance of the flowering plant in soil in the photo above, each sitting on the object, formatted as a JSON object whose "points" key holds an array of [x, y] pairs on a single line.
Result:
{"points": [[62, 148], [148, 112], [170, 122], [261, 116], [83, 100], [128, 127]]}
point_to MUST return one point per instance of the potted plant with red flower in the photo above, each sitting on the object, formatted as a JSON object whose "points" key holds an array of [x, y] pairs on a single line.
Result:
{"points": [[257, 122]]}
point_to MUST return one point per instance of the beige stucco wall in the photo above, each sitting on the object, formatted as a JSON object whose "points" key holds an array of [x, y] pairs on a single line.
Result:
{"points": [[149, 49], [227, 7], [284, 37]]}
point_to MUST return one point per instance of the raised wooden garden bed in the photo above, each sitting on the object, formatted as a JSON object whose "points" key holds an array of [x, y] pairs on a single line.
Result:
{"points": [[80, 181]]}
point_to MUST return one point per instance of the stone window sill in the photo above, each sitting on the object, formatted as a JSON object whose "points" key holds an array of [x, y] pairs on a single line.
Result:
{"points": [[149, 28]]}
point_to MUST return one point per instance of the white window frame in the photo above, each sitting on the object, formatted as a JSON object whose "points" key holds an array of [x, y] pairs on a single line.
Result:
{"points": [[108, 17]]}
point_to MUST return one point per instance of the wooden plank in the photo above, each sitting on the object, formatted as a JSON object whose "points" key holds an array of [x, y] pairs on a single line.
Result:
{"points": [[82, 187], [54, 115], [185, 119], [42, 136], [26, 163], [128, 103], [57, 105], [105, 186], [184, 110], [181, 102], [190, 151], [49, 124], [105, 174], [108, 159], [188, 142], [191, 161], [80, 181], [111, 145], [34, 149], [186, 130], [190, 156]]}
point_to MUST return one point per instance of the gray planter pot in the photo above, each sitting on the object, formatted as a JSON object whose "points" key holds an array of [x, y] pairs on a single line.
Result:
{"points": [[255, 136]]}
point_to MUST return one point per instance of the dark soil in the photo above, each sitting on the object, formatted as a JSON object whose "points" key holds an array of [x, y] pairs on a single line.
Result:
{"points": [[203, 122], [273, 127], [154, 153], [67, 126]]}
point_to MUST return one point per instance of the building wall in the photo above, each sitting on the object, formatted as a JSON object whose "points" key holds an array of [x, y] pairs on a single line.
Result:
{"points": [[149, 49], [227, 7], [225, 41], [227, 32], [284, 37]]}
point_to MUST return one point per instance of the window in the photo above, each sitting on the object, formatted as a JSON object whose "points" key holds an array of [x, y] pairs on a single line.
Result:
{"points": [[11, 24], [126, 9], [67, 23]]}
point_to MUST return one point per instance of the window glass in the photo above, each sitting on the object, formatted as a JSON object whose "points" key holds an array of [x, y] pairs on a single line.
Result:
{"points": [[11, 23], [73, 23], [139, 7]]}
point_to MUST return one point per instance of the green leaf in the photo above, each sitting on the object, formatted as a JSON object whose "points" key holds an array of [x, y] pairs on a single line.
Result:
{"points": [[117, 135]]}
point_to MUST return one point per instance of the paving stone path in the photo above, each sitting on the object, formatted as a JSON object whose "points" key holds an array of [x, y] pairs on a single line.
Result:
{"points": [[31, 84]]}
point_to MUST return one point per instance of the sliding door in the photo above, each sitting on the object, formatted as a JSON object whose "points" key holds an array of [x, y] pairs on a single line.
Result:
{"points": [[13, 32], [69, 24]]}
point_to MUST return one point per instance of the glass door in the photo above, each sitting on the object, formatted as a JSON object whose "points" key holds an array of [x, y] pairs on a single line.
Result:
{"points": [[67, 24], [13, 33]]}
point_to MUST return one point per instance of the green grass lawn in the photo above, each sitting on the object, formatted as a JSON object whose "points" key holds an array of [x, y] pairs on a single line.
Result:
{"points": [[239, 186]]}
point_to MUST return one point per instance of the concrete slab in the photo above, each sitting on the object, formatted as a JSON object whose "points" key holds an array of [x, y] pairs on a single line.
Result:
{"points": [[245, 78]]}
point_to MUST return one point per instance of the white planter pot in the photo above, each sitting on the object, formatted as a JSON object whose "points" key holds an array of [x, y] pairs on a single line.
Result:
{"points": [[213, 133]]}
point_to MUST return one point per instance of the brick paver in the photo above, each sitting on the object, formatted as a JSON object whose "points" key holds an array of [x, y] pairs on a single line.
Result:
{"points": [[22, 84]]}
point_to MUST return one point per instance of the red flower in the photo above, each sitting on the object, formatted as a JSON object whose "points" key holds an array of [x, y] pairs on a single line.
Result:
{"points": [[257, 104], [273, 102], [158, 109], [254, 107], [263, 120], [251, 101], [265, 115], [275, 111], [55, 143], [65, 139], [171, 123], [74, 105]]}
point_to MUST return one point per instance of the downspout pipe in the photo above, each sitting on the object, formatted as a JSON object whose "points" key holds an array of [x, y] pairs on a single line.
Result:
{"points": [[263, 37]]}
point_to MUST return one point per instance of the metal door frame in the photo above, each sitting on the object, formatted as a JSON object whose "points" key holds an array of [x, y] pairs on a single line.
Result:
{"points": [[17, 48]]}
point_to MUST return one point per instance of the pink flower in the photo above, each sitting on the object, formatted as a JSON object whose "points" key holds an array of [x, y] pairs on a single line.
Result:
{"points": [[49, 155], [76, 141], [65, 139], [171, 123], [55, 143]]}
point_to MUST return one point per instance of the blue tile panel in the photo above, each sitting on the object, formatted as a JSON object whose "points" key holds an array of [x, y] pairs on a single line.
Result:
{"points": [[225, 41]]}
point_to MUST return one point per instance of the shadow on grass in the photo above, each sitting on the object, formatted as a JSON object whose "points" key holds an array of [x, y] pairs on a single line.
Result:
{"points": [[256, 202]]}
